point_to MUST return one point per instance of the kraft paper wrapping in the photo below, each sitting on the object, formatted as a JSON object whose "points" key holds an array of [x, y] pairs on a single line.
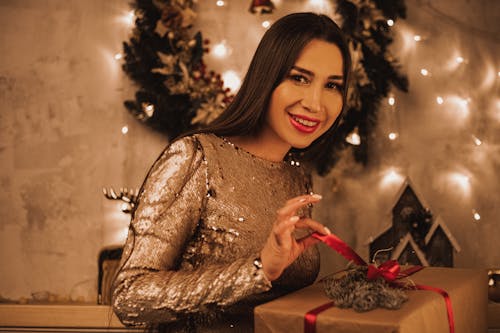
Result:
{"points": [[424, 312]]}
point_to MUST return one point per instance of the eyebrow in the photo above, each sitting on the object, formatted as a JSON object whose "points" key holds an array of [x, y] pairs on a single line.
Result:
{"points": [[308, 72]]}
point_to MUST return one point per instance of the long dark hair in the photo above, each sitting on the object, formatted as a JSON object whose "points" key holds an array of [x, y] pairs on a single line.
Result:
{"points": [[276, 54]]}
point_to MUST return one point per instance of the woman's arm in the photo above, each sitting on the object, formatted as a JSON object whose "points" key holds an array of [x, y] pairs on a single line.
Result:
{"points": [[150, 288]]}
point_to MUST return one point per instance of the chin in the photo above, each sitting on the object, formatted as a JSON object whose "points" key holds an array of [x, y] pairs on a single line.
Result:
{"points": [[301, 145]]}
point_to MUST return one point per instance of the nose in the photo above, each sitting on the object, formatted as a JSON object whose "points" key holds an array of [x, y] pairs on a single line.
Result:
{"points": [[313, 99]]}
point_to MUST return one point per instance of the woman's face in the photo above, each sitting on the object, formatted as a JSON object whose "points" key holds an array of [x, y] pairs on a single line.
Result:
{"points": [[307, 102]]}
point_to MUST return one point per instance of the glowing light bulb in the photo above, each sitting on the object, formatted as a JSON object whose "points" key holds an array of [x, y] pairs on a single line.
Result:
{"points": [[391, 177], [353, 138], [220, 50], [476, 215], [266, 24], [439, 100], [130, 17], [149, 109], [424, 72], [390, 22], [393, 136], [459, 106], [461, 181], [391, 101], [231, 80], [417, 38], [124, 130], [220, 3], [477, 142], [459, 60], [118, 56]]}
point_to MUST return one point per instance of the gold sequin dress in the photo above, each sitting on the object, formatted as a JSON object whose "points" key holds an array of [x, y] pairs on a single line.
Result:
{"points": [[204, 214]]}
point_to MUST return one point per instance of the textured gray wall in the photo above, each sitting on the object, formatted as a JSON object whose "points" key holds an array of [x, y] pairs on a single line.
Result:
{"points": [[61, 115]]}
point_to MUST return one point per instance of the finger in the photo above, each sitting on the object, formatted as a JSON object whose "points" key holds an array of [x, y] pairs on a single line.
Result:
{"points": [[283, 231], [298, 202], [307, 223], [287, 224], [307, 241], [300, 198]]}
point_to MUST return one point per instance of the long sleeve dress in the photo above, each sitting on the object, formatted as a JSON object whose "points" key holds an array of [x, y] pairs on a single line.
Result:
{"points": [[203, 216]]}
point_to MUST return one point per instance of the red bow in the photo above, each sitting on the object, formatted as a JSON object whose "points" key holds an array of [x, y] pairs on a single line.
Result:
{"points": [[389, 270]]}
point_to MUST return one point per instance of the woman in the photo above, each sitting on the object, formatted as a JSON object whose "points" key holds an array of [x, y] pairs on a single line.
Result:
{"points": [[223, 218]]}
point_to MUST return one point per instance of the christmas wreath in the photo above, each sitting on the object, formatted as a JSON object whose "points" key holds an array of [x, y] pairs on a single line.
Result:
{"points": [[177, 93]]}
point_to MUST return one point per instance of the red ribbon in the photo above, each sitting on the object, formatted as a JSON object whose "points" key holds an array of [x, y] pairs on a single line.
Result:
{"points": [[341, 247], [389, 270], [312, 316]]}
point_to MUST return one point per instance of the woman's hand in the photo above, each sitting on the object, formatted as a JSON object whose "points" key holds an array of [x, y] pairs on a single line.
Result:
{"points": [[281, 248]]}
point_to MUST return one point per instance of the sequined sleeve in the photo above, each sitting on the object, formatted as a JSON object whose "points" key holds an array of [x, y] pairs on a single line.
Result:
{"points": [[151, 287]]}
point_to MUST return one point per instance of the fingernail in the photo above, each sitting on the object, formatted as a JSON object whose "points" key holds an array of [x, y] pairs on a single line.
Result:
{"points": [[328, 232], [317, 196], [294, 218]]}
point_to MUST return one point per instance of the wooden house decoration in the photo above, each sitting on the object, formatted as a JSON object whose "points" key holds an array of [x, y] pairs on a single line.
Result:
{"points": [[408, 251], [439, 253], [414, 237]]}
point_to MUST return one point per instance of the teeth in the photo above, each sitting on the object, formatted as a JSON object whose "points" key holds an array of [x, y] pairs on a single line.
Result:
{"points": [[305, 122]]}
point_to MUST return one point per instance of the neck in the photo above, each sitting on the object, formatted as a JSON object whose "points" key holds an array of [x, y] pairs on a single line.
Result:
{"points": [[266, 145]]}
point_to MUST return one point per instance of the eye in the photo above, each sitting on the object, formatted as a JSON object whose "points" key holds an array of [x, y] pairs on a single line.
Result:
{"points": [[335, 86], [299, 78]]}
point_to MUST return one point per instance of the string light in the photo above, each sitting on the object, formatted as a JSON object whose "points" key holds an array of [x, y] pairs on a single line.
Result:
{"points": [[118, 56], [149, 109], [424, 72], [439, 100], [393, 136], [220, 3], [124, 130], [390, 22], [391, 177], [459, 60], [130, 18], [498, 74], [461, 180], [353, 138], [266, 24], [459, 107], [220, 50], [126, 17], [476, 215], [476, 140], [323, 6], [231, 80], [417, 38], [391, 101]]}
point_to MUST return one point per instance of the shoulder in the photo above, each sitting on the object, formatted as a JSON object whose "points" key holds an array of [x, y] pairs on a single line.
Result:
{"points": [[180, 155], [186, 144]]}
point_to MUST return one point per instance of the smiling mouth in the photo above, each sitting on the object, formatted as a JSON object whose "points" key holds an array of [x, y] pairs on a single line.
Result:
{"points": [[303, 124]]}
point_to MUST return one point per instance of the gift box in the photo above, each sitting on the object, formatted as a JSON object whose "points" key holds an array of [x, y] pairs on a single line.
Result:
{"points": [[424, 312]]}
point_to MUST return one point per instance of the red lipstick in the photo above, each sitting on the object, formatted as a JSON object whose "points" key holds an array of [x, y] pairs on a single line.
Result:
{"points": [[303, 123]]}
